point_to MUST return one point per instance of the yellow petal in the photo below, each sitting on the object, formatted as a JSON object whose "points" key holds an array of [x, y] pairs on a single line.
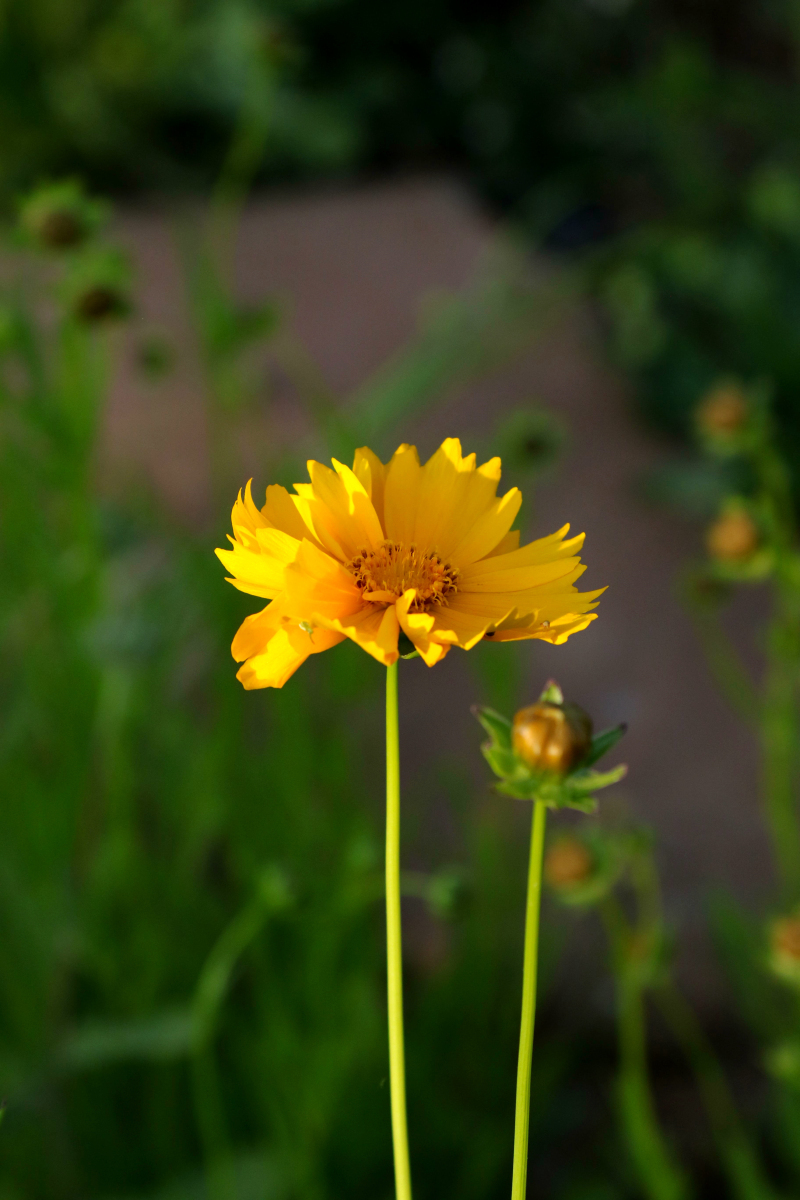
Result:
{"points": [[253, 572], [374, 629], [551, 606], [505, 545], [361, 510], [417, 627], [255, 632], [487, 530], [491, 606], [543, 550], [516, 579], [315, 582], [286, 650], [442, 491], [277, 545], [341, 512], [454, 495], [372, 473], [556, 632], [245, 517], [401, 496], [282, 511], [460, 629]]}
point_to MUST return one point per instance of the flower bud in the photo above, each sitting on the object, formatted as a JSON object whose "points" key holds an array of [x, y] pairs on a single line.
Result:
{"points": [[60, 216], [567, 863], [551, 737], [59, 229], [784, 939], [723, 411], [733, 537], [99, 303]]}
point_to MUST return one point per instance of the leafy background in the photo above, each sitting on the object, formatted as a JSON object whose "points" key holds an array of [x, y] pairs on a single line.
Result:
{"points": [[191, 995]]}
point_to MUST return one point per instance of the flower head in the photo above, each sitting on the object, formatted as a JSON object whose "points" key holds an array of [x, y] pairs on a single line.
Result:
{"points": [[384, 549]]}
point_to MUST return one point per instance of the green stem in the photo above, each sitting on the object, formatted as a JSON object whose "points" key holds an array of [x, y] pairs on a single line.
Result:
{"points": [[394, 951], [211, 1123], [659, 1176], [522, 1112], [736, 1150], [727, 667], [779, 745]]}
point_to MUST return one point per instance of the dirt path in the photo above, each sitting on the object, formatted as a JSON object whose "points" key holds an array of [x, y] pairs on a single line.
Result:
{"points": [[355, 266]]}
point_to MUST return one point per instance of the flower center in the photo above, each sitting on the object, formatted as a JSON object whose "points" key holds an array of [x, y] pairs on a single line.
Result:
{"points": [[384, 574]]}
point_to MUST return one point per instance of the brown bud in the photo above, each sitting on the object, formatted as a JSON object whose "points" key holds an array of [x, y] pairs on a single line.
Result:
{"points": [[723, 411], [552, 737], [100, 302], [59, 229], [567, 863], [733, 537], [785, 940]]}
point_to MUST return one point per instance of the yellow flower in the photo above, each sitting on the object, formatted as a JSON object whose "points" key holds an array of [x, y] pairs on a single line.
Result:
{"points": [[378, 550]]}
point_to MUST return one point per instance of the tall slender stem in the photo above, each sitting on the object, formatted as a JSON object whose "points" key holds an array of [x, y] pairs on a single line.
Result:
{"points": [[394, 953], [779, 742], [659, 1175], [519, 1180], [739, 1158]]}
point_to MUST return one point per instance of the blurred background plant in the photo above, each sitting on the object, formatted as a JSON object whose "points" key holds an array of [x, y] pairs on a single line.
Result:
{"points": [[191, 995], [192, 977]]}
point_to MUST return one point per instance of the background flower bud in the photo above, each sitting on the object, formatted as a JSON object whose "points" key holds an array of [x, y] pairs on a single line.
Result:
{"points": [[733, 537], [723, 411], [567, 863], [551, 737], [99, 303], [59, 229], [61, 216], [784, 941]]}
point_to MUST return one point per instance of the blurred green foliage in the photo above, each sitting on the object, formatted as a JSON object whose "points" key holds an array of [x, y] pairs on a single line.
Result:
{"points": [[575, 115], [192, 976], [191, 979], [667, 132]]}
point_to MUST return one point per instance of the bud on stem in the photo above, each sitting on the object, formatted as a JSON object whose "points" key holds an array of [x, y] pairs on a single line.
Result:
{"points": [[552, 735]]}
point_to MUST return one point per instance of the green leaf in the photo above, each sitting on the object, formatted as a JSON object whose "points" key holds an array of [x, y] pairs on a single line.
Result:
{"points": [[584, 804], [592, 781], [552, 694], [552, 792], [503, 762], [406, 647], [166, 1035], [496, 725], [521, 789], [602, 743]]}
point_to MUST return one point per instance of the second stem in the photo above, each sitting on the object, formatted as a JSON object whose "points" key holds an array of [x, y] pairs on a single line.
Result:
{"points": [[519, 1180]]}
